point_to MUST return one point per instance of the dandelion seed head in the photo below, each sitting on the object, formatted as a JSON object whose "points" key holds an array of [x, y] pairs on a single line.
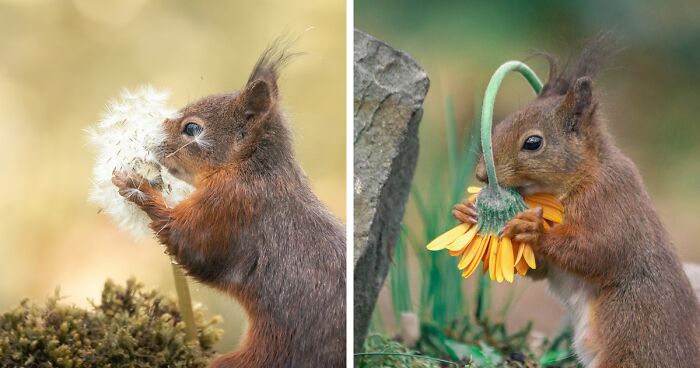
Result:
{"points": [[127, 138]]}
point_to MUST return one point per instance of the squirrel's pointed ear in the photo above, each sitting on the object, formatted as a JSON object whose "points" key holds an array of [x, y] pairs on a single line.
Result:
{"points": [[578, 102], [258, 98]]}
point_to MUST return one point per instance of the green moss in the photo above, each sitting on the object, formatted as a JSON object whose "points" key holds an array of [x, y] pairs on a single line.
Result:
{"points": [[131, 327], [381, 351], [459, 345]]}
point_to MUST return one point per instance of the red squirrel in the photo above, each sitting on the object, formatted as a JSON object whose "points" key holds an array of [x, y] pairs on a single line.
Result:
{"points": [[253, 228], [611, 261]]}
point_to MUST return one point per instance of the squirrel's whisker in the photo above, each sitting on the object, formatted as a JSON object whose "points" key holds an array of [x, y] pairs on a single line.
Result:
{"points": [[181, 147], [202, 142]]}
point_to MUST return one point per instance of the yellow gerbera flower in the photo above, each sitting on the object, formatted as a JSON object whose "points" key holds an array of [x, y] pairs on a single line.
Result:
{"points": [[495, 205], [501, 257]]}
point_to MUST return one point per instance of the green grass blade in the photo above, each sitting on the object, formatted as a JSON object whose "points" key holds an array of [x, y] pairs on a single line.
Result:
{"points": [[399, 282], [451, 138]]}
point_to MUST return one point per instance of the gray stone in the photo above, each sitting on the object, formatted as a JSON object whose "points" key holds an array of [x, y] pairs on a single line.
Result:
{"points": [[389, 89]]}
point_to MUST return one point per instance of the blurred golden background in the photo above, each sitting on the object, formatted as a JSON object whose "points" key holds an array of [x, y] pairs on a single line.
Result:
{"points": [[651, 96], [61, 61]]}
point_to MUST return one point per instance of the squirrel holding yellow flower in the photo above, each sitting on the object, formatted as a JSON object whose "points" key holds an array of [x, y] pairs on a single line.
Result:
{"points": [[611, 261], [252, 228]]}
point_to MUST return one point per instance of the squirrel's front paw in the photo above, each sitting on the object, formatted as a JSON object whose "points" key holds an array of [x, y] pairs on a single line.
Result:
{"points": [[465, 212], [133, 187], [526, 227]]}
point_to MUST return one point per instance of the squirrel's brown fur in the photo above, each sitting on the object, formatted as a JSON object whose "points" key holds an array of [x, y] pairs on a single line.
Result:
{"points": [[253, 228], [611, 261]]}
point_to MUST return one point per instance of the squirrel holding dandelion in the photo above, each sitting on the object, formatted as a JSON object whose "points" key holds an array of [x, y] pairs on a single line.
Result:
{"points": [[610, 261], [252, 228]]}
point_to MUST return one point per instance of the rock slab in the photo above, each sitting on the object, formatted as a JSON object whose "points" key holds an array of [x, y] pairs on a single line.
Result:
{"points": [[389, 89]]}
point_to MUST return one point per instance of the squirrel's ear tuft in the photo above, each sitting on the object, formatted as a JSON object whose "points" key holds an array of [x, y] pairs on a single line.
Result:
{"points": [[261, 90], [578, 102], [258, 98]]}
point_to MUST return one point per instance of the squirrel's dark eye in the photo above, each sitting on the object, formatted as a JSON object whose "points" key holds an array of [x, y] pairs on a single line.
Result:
{"points": [[533, 143], [192, 129]]}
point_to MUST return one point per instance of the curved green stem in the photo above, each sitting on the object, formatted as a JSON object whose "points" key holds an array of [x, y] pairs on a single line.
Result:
{"points": [[487, 109]]}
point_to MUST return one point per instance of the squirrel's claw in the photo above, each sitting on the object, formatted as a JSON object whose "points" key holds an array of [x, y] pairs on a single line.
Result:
{"points": [[465, 212], [526, 227]]}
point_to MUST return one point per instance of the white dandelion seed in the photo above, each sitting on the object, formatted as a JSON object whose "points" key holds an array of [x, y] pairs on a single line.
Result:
{"points": [[127, 139]]}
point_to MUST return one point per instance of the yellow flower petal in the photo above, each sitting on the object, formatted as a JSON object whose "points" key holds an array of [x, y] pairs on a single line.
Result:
{"points": [[470, 253], [529, 256], [522, 267], [532, 204], [546, 199], [448, 237], [506, 258], [463, 240], [473, 189], [486, 255], [521, 249], [552, 215], [476, 260], [548, 213], [492, 257], [499, 259]]}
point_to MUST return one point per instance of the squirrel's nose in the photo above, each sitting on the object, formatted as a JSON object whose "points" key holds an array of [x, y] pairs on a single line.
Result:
{"points": [[481, 171]]}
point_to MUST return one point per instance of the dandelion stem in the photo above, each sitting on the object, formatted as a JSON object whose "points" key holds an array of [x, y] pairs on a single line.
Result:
{"points": [[487, 109], [184, 302], [407, 355]]}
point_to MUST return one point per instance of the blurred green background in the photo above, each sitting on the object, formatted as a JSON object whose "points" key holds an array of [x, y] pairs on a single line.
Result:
{"points": [[61, 61], [651, 96]]}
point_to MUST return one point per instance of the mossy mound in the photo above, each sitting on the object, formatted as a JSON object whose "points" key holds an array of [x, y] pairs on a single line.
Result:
{"points": [[131, 327], [381, 351]]}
